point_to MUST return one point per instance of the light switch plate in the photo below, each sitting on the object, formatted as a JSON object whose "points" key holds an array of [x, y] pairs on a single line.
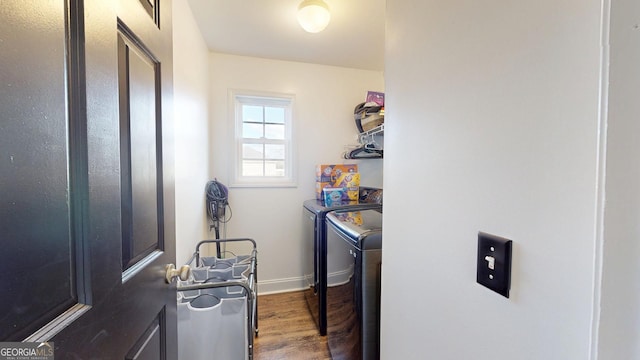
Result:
{"points": [[494, 263]]}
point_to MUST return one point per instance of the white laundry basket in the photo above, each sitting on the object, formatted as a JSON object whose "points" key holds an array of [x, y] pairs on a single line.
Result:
{"points": [[217, 311], [212, 326]]}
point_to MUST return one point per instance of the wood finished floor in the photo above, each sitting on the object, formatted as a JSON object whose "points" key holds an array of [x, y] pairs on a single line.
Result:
{"points": [[286, 330]]}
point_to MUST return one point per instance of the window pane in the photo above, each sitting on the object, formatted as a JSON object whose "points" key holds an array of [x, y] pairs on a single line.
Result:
{"points": [[251, 113], [274, 151], [252, 131], [274, 168], [252, 151], [275, 132], [274, 115], [252, 168], [262, 128]]}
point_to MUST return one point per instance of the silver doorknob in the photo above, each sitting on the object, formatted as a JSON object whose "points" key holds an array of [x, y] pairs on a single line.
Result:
{"points": [[183, 273]]}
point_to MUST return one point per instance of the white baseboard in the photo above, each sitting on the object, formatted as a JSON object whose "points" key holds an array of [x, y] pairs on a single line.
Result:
{"points": [[281, 285], [340, 277], [276, 286]]}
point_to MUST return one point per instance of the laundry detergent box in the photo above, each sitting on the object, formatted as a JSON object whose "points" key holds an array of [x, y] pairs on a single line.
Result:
{"points": [[331, 173], [334, 196], [338, 196], [349, 183]]}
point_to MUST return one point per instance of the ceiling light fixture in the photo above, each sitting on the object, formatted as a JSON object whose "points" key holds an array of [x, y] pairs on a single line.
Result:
{"points": [[313, 15]]}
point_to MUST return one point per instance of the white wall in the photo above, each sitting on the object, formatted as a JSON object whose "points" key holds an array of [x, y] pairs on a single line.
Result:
{"points": [[325, 99], [492, 125], [620, 311], [191, 98]]}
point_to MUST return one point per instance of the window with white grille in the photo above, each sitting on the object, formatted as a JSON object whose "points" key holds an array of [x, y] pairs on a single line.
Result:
{"points": [[263, 129]]}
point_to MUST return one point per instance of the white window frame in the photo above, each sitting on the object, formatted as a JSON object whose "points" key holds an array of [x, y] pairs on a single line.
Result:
{"points": [[237, 98]]}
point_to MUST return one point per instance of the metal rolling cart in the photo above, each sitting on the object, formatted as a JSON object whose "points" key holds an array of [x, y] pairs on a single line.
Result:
{"points": [[219, 296]]}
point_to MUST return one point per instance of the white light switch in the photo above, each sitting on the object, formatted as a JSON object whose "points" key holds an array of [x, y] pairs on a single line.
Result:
{"points": [[491, 261], [494, 263]]}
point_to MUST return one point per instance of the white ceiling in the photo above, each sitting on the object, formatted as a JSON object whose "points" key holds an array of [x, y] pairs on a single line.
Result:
{"points": [[269, 29]]}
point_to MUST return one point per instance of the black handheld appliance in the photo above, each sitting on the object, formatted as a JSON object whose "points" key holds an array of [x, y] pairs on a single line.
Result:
{"points": [[217, 204]]}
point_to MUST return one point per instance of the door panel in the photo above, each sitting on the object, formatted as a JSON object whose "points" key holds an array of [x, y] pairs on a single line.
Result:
{"points": [[35, 212], [130, 193], [139, 148], [63, 211], [152, 9], [150, 345]]}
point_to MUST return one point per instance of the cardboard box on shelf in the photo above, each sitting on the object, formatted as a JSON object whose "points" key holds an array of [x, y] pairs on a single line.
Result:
{"points": [[375, 97], [333, 196], [349, 183], [331, 173], [339, 196], [347, 196]]}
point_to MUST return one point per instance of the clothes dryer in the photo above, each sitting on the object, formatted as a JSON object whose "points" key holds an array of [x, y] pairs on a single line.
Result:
{"points": [[315, 244], [354, 258]]}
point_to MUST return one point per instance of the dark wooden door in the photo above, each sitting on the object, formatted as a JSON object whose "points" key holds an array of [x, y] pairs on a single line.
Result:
{"points": [[86, 174]]}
